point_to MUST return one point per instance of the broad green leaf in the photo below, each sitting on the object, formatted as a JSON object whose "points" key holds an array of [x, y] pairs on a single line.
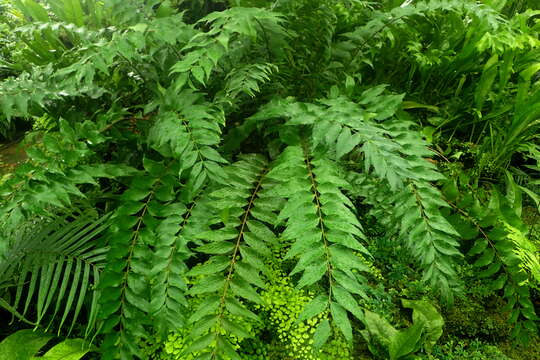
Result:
{"points": [[202, 326], [406, 341], [217, 248], [346, 259], [224, 345], [215, 265], [209, 305], [486, 81], [379, 327], [248, 273], [479, 247], [238, 309], [349, 283], [244, 289], [198, 73], [199, 344], [486, 258], [499, 282], [70, 349], [346, 142], [209, 284], [311, 275], [490, 271], [426, 313], [234, 328], [345, 299], [23, 344]]}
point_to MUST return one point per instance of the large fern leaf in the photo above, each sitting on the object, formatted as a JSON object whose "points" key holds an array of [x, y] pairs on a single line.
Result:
{"points": [[324, 233], [396, 154], [231, 276]]}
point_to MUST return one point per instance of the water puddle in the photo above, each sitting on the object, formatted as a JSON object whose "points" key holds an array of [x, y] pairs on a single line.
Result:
{"points": [[11, 154]]}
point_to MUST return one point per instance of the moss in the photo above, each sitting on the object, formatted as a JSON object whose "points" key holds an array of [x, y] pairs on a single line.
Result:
{"points": [[289, 339], [471, 319], [529, 351]]}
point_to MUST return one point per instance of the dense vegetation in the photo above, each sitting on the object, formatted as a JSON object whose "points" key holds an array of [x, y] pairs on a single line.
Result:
{"points": [[256, 179]]}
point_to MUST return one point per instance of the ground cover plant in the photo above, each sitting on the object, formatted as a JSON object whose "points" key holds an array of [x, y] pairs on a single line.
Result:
{"points": [[253, 179]]}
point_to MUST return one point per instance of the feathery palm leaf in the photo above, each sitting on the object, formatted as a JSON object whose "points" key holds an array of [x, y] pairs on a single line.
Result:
{"points": [[54, 266]]}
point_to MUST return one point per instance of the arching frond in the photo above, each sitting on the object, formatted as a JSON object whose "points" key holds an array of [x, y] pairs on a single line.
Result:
{"points": [[230, 278], [324, 233]]}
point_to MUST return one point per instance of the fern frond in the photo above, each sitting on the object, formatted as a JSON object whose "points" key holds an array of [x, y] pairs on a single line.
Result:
{"points": [[247, 80], [414, 215], [527, 252], [324, 233], [17, 93], [167, 292], [397, 17], [190, 132], [397, 154], [429, 235], [138, 281], [76, 34], [343, 126], [232, 274], [55, 171], [93, 58], [495, 255], [205, 50]]}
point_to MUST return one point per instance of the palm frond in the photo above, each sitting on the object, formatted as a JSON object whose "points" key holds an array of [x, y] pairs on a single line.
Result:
{"points": [[54, 266]]}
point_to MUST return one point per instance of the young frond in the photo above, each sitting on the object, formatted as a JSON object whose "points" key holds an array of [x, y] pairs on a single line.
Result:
{"points": [[206, 49], [188, 129]]}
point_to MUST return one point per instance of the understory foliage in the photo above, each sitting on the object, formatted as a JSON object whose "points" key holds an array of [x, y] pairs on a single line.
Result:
{"points": [[203, 177]]}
